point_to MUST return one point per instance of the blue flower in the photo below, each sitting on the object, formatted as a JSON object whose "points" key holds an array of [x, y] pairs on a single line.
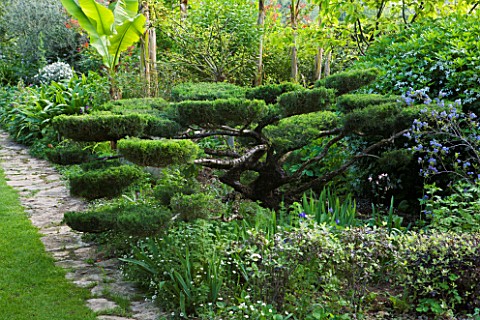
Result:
{"points": [[337, 221], [302, 215]]}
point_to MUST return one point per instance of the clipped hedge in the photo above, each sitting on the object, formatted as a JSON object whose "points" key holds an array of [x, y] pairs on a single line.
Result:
{"points": [[382, 120], [130, 219], [270, 93], [300, 130], [206, 91], [348, 81], [104, 127], [106, 182], [300, 102], [160, 127], [349, 102], [138, 105], [232, 112], [158, 153], [66, 154], [196, 206]]}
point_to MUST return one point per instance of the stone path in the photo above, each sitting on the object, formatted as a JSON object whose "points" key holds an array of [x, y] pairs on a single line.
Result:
{"points": [[45, 198]]}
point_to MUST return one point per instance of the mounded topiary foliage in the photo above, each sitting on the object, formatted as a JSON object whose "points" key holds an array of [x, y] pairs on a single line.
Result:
{"points": [[345, 82], [131, 219], [349, 102], [158, 153], [68, 154], [99, 127], [270, 92], [138, 105], [301, 102], [105, 182], [206, 91], [219, 112]]}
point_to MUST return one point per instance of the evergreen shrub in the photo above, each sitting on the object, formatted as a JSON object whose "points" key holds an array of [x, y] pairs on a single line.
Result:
{"points": [[104, 127], [270, 92], [234, 112], [349, 102], [130, 219], [66, 154], [135, 105], [196, 206], [300, 102], [107, 182], [206, 91], [348, 81], [158, 153]]}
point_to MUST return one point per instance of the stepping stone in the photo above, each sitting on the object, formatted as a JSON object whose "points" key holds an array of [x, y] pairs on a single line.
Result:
{"points": [[99, 305]]}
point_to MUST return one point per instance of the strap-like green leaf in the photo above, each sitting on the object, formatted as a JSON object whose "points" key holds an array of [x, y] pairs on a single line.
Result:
{"points": [[100, 14], [127, 34]]}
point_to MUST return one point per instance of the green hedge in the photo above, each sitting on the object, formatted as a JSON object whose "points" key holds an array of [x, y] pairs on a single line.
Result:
{"points": [[126, 106], [66, 154], [104, 127], [300, 130], [160, 127], [206, 91], [130, 219], [270, 93], [107, 182], [232, 112], [300, 102], [348, 81], [196, 206], [349, 102], [382, 120], [158, 153]]}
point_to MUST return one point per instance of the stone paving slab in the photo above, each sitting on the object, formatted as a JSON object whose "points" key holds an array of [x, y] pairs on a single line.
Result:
{"points": [[43, 194]]}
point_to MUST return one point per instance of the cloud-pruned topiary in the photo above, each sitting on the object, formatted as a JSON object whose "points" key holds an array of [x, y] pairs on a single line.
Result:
{"points": [[348, 81]]}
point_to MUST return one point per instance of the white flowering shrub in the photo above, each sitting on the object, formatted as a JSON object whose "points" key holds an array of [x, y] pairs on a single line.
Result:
{"points": [[54, 72]]}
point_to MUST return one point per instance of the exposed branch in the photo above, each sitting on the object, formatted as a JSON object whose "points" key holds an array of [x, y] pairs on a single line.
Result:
{"points": [[328, 176], [473, 8], [231, 163], [222, 153], [320, 156]]}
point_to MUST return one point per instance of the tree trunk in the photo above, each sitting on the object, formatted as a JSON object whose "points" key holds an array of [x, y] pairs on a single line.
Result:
{"points": [[318, 64], [260, 24], [319, 56], [327, 63], [148, 56], [183, 9], [293, 21]]}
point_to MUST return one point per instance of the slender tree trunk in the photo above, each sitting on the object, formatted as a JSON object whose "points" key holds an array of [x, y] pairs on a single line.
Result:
{"points": [[327, 63], [319, 56], [293, 21], [260, 24], [183, 9], [148, 57]]}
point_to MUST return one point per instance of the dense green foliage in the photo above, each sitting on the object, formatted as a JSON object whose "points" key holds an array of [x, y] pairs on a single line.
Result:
{"points": [[32, 286], [131, 219], [346, 82], [105, 182], [438, 54], [349, 102], [215, 113], [158, 153], [270, 93], [301, 102], [68, 153], [99, 127], [206, 91]]}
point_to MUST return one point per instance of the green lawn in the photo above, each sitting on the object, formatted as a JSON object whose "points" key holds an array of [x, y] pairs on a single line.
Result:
{"points": [[31, 286]]}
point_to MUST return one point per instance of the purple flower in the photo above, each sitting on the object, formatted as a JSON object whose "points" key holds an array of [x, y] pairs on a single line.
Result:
{"points": [[302, 214], [337, 221]]}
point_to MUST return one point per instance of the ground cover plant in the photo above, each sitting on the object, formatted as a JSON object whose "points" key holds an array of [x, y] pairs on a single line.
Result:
{"points": [[32, 287]]}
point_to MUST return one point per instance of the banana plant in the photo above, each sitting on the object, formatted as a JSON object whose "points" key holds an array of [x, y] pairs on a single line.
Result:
{"points": [[111, 29]]}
